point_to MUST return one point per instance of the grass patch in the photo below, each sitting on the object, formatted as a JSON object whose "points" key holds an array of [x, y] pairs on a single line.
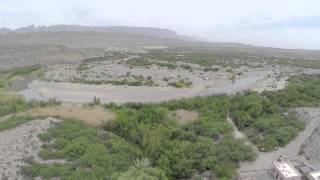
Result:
{"points": [[14, 121], [10, 76], [25, 71], [93, 116]]}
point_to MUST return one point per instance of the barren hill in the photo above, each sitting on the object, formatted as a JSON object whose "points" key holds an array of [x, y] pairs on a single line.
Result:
{"points": [[69, 43]]}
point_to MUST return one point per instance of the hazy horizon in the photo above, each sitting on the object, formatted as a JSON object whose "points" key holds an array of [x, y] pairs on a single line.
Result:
{"points": [[272, 23]]}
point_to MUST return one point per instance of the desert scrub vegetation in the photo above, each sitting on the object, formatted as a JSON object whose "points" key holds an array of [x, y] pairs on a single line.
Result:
{"points": [[201, 58], [180, 84], [83, 67], [207, 69], [138, 62], [206, 57], [145, 63], [125, 82]]}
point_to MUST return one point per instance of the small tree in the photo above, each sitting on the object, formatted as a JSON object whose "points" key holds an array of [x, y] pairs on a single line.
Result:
{"points": [[96, 101]]}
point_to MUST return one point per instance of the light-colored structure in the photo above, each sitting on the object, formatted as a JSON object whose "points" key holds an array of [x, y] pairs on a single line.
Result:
{"points": [[285, 171], [314, 175]]}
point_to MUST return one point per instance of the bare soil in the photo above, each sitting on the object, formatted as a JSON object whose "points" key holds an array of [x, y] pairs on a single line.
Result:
{"points": [[185, 116], [93, 116]]}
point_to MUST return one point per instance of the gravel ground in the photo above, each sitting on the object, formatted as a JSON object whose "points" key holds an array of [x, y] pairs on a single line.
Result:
{"points": [[311, 148], [22, 84], [21, 145]]}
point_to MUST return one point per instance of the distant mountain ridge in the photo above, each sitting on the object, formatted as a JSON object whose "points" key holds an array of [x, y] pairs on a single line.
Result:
{"points": [[143, 31], [70, 43]]}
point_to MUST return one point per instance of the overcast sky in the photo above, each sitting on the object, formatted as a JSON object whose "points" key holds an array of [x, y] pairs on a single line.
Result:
{"points": [[277, 23]]}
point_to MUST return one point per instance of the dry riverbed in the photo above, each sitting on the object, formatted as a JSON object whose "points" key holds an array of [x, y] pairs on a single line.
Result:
{"points": [[83, 93], [58, 82]]}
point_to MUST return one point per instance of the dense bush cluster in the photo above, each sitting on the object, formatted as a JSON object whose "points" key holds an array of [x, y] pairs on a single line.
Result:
{"points": [[260, 119], [91, 155], [182, 151], [302, 91]]}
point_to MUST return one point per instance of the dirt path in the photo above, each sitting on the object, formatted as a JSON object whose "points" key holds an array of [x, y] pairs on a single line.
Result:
{"points": [[236, 132], [264, 160], [20, 145]]}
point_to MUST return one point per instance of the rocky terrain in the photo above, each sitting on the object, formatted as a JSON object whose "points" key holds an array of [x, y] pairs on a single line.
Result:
{"points": [[311, 148], [20, 146], [110, 72]]}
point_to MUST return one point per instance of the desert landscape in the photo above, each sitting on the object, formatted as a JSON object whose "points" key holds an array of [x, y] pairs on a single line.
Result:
{"points": [[80, 102]]}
